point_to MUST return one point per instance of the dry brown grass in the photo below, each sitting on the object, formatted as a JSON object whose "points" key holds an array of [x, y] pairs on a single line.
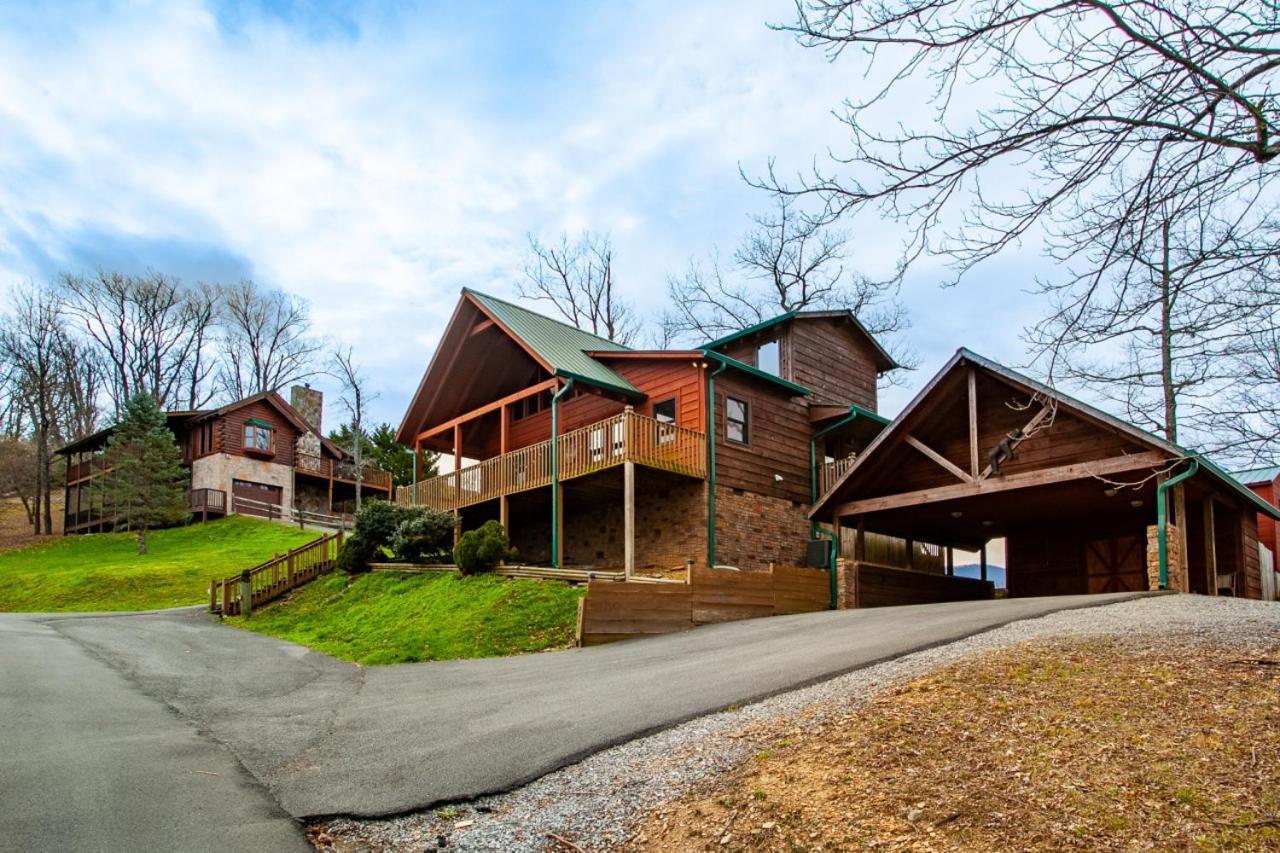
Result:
{"points": [[1088, 745], [15, 530]]}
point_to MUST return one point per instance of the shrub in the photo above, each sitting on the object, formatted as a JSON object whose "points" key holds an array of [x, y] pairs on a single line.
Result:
{"points": [[355, 554], [426, 533], [376, 522], [481, 549]]}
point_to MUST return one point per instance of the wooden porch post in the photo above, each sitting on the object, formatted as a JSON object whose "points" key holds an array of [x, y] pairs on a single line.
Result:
{"points": [[982, 562], [457, 482], [911, 553], [1210, 549], [504, 511], [951, 560], [628, 518], [559, 555]]}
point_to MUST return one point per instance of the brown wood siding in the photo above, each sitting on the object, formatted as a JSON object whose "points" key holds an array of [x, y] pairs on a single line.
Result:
{"points": [[778, 440], [229, 432], [1252, 566], [662, 379], [831, 359], [578, 412]]}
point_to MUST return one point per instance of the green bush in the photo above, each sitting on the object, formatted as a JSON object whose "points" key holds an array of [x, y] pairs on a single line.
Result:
{"points": [[376, 522], [481, 549], [424, 535], [355, 554]]}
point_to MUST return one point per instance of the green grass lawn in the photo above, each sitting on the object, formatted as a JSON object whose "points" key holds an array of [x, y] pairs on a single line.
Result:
{"points": [[103, 571], [385, 618]]}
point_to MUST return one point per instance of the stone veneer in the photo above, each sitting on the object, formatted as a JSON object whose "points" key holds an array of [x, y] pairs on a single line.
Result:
{"points": [[217, 470], [1177, 576]]}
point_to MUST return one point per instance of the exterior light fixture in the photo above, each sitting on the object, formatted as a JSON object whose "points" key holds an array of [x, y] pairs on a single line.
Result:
{"points": [[1135, 503], [955, 513], [987, 523], [1111, 493]]}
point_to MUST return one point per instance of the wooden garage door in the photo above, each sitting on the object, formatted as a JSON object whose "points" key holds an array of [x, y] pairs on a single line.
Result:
{"points": [[1118, 564], [255, 494]]}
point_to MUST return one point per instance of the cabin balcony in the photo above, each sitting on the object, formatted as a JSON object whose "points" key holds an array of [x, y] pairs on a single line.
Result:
{"points": [[343, 472], [626, 437]]}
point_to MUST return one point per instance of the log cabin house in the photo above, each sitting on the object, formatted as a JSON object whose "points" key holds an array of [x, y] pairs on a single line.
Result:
{"points": [[593, 454], [1085, 502], [258, 456]]}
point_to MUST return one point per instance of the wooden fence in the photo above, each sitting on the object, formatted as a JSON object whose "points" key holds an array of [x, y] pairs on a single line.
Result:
{"points": [[620, 611], [604, 444], [869, 585], [272, 579]]}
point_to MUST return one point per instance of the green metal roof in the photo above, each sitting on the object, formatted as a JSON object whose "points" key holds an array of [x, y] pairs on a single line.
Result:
{"points": [[1257, 475], [560, 345], [756, 372], [749, 330], [887, 361]]}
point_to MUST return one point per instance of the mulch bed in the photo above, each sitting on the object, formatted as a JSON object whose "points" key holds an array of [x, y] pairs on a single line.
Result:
{"points": [[1137, 744]]}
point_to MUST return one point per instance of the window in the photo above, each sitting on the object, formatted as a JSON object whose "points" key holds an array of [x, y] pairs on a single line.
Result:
{"points": [[665, 411], [767, 358], [529, 406], [735, 420], [258, 437]]}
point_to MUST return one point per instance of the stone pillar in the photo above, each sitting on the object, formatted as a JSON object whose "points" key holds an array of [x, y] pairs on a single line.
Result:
{"points": [[1177, 566], [842, 583], [310, 404]]}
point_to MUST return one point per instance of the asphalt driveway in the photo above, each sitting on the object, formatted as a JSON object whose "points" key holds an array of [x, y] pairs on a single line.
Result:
{"points": [[326, 737]]}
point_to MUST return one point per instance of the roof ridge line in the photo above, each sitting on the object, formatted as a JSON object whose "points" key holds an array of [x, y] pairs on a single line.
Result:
{"points": [[472, 291]]}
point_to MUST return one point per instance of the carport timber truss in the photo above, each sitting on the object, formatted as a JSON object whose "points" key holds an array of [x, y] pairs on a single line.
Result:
{"points": [[1085, 501]]}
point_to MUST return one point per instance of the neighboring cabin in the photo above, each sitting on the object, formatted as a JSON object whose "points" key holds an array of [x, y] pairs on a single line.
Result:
{"points": [[1265, 483], [257, 456]]}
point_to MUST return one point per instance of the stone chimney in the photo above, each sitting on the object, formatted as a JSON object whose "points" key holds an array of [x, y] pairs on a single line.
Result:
{"points": [[310, 404]]}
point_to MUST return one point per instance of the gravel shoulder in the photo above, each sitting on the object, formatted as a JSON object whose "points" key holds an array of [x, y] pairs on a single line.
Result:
{"points": [[597, 804]]}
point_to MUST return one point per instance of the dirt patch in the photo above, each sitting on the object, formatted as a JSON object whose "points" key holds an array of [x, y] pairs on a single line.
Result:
{"points": [[1097, 745]]}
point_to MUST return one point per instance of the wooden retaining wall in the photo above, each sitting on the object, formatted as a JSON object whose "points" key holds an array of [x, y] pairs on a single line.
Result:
{"points": [[620, 611], [870, 585]]}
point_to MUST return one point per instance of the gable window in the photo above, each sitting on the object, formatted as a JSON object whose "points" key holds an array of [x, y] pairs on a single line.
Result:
{"points": [[665, 411], [768, 359], [735, 420], [259, 436]]}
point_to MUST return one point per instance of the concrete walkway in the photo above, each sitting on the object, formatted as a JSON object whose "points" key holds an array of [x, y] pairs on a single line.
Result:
{"points": [[329, 738]]}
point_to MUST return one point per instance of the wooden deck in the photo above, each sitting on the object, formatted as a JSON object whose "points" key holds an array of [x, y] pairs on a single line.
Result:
{"points": [[345, 472], [626, 437]]}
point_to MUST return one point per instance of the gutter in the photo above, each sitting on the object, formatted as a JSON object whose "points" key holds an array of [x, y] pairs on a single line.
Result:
{"points": [[1162, 517], [555, 473], [711, 463]]}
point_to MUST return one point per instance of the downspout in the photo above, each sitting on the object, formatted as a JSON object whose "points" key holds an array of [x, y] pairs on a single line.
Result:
{"points": [[711, 462], [555, 474], [1162, 516], [814, 530]]}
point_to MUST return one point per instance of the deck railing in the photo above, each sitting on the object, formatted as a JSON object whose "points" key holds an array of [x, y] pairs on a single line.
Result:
{"points": [[832, 471], [207, 500], [604, 444], [272, 579], [334, 469]]}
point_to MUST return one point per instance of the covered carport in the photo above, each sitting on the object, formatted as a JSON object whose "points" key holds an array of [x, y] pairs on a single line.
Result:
{"points": [[1080, 497]]}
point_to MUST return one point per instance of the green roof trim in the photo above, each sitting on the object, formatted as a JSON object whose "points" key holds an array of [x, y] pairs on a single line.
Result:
{"points": [[854, 408], [1265, 474], [258, 423], [560, 345], [756, 372], [750, 330]]}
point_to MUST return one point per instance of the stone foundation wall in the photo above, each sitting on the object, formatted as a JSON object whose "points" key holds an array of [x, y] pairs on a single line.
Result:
{"points": [[1177, 572], [754, 530], [217, 470]]}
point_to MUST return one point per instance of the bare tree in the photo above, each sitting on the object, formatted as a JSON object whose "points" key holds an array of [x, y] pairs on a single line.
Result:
{"points": [[33, 339], [1248, 421], [577, 279], [789, 261], [265, 341], [1161, 334], [355, 396], [149, 332], [19, 475], [1081, 106]]}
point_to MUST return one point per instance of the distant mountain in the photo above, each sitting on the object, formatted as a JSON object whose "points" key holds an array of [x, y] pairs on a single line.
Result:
{"points": [[995, 574]]}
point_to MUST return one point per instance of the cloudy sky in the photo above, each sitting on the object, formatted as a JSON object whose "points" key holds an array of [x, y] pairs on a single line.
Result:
{"points": [[375, 161]]}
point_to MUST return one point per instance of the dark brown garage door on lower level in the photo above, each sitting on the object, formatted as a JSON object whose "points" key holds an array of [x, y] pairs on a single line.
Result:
{"points": [[256, 498]]}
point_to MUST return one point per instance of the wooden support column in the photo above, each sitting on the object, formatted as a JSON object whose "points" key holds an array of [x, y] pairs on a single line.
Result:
{"points": [[911, 553], [1180, 522], [860, 541], [504, 509], [838, 531], [1210, 549], [628, 518], [982, 562], [973, 423], [951, 560], [457, 482]]}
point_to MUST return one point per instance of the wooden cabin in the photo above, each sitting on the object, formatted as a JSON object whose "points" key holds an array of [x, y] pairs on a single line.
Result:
{"points": [[258, 456], [1085, 502], [595, 454]]}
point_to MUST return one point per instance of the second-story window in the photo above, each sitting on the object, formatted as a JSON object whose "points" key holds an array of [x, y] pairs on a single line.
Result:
{"points": [[665, 411], [735, 420], [258, 436], [768, 359]]}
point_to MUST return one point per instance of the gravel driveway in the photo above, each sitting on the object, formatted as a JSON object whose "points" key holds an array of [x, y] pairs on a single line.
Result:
{"points": [[593, 803]]}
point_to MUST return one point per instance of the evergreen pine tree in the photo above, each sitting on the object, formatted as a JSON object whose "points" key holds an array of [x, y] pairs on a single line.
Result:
{"points": [[147, 483]]}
